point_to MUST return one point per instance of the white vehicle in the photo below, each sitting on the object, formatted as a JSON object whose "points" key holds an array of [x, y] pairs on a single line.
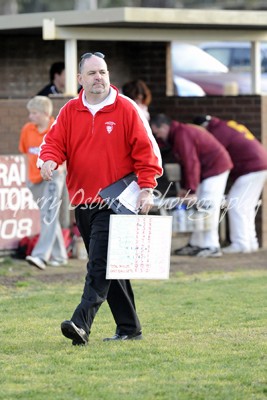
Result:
{"points": [[185, 88], [217, 68]]}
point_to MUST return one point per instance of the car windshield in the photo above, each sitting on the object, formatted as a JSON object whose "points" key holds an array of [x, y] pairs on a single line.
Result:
{"points": [[223, 55], [236, 56]]}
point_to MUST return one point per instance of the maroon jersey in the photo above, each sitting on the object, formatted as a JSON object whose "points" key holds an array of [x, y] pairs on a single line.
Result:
{"points": [[247, 153], [199, 154]]}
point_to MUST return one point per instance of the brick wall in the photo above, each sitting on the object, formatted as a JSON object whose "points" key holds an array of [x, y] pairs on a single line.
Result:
{"points": [[246, 109], [25, 62], [13, 115]]}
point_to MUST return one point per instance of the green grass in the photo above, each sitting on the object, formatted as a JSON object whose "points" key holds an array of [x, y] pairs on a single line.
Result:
{"points": [[205, 338]]}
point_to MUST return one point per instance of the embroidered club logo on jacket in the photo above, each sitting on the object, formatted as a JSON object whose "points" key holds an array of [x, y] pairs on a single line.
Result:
{"points": [[109, 126]]}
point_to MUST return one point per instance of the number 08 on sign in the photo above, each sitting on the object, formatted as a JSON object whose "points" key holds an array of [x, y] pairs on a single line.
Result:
{"points": [[139, 247]]}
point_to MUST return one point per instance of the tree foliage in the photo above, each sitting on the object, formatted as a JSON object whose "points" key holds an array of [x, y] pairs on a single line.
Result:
{"points": [[29, 6]]}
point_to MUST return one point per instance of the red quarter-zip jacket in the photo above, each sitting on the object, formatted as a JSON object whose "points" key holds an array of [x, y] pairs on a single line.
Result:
{"points": [[101, 148]]}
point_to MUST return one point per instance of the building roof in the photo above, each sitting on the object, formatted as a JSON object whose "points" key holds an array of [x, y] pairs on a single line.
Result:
{"points": [[142, 24]]}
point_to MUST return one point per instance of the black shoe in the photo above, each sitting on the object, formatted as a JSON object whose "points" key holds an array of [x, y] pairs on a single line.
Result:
{"points": [[187, 250], [117, 336], [71, 331]]}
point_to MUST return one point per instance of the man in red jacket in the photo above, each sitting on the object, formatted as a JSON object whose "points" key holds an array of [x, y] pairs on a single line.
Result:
{"points": [[205, 166], [247, 176], [103, 137]]}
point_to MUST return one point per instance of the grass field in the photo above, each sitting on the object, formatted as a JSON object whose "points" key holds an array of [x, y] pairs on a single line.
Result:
{"points": [[205, 338]]}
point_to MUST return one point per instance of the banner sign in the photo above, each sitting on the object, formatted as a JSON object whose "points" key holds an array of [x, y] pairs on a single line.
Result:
{"points": [[19, 214]]}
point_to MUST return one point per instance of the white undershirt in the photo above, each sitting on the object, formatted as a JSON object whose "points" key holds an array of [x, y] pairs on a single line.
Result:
{"points": [[93, 108]]}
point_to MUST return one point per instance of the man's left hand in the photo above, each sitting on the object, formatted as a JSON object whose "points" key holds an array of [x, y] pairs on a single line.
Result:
{"points": [[47, 170], [145, 201]]}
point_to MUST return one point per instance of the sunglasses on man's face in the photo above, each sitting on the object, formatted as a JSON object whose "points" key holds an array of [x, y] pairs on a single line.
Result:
{"points": [[88, 55]]}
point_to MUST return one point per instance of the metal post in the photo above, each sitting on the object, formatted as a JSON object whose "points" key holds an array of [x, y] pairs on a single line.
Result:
{"points": [[256, 67], [71, 67]]}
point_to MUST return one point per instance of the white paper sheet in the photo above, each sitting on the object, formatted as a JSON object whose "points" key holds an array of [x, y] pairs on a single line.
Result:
{"points": [[129, 197], [139, 247]]}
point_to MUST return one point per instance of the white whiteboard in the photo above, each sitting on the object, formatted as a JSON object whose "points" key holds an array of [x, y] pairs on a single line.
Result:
{"points": [[139, 247]]}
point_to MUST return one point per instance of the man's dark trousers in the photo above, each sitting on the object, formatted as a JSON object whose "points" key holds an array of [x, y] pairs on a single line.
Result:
{"points": [[93, 224]]}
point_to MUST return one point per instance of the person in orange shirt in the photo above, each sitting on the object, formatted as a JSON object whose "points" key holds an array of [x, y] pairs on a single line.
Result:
{"points": [[50, 247]]}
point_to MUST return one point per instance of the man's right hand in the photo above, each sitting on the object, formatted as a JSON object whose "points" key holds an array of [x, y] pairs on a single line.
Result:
{"points": [[47, 170]]}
